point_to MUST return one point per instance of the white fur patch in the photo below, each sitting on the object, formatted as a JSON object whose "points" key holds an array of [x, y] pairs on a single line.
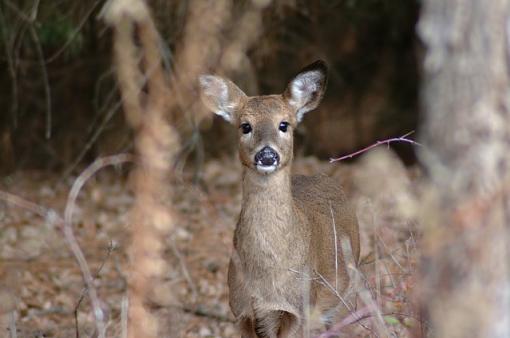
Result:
{"points": [[304, 84], [302, 89], [265, 169], [225, 115]]}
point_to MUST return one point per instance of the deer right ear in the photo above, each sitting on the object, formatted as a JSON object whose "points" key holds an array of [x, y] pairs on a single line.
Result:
{"points": [[221, 96], [305, 90]]}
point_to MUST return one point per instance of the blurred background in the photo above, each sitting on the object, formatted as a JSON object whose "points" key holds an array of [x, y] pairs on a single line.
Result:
{"points": [[60, 101]]}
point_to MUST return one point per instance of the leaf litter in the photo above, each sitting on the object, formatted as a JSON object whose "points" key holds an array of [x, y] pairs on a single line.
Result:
{"points": [[42, 283]]}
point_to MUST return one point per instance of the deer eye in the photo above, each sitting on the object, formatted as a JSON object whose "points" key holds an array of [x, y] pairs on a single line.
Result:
{"points": [[283, 126], [246, 128]]}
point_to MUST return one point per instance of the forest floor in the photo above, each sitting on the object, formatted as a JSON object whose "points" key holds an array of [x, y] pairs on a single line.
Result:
{"points": [[41, 278]]}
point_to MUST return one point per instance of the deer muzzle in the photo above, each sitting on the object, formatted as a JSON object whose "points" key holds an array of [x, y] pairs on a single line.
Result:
{"points": [[267, 160]]}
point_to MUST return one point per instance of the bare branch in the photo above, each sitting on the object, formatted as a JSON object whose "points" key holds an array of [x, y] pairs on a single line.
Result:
{"points": [[402, 138], [71, 239], [48, 214], [66, 223]]}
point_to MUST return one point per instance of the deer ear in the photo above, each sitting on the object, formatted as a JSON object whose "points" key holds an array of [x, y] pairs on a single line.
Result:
{"points": [[304, 92], [221, 96]]}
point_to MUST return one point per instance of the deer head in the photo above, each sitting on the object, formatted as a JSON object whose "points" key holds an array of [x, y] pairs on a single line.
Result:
{"points": [[266, 123]]}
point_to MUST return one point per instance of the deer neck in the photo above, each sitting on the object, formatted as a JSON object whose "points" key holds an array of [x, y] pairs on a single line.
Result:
{"points": [[268, 231], [267, 198]]}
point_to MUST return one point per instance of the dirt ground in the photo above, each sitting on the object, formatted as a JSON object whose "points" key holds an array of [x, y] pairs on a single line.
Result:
{"points": [[42, 284]]}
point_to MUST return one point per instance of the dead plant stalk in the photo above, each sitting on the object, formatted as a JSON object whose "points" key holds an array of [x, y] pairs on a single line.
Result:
{"points": [[155, 144]]}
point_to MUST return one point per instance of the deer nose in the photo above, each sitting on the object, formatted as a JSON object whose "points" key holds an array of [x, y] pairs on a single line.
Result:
{"points": [[267, 156]]}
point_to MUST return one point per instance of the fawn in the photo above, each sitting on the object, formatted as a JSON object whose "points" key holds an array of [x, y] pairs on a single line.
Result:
{"points": [[287, 259]]}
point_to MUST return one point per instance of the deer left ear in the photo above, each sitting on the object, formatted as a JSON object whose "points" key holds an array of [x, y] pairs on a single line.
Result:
{"points": [[305, 91], [221, 96]]}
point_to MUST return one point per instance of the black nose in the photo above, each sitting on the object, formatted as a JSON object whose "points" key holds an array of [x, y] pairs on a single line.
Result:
{"points": [[267, 156]]}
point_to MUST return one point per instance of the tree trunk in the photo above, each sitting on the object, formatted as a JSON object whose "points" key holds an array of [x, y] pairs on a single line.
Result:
{"points": [[466, 135]]}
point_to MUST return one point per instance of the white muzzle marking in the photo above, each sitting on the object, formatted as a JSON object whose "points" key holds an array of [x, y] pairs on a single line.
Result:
{"points": [[265, 169]]}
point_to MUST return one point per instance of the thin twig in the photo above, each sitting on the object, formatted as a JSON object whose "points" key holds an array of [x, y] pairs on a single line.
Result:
{"points": [[402, 138], [349, 307], [377, 277], [31, 20], [44, 73], [124, 316], [355, 277], [99, 130], [352, 318], [85, 289], [18, 12], [74, 34], [337, 294], [12, 70], [35, 10], [363, 313], [185, 271], [71, 239], [367, 298], [50, 215], [92, 140], [106, 102], [12, 325], [202, 312], [306, 275], [389, 253], [336, 244]]}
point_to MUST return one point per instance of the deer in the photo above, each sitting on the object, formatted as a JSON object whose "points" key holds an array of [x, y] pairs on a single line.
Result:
{"points": [[287, 260]]}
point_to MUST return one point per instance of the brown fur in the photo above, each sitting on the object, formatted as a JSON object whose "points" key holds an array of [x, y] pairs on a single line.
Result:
{"points": [[284, 239]]}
